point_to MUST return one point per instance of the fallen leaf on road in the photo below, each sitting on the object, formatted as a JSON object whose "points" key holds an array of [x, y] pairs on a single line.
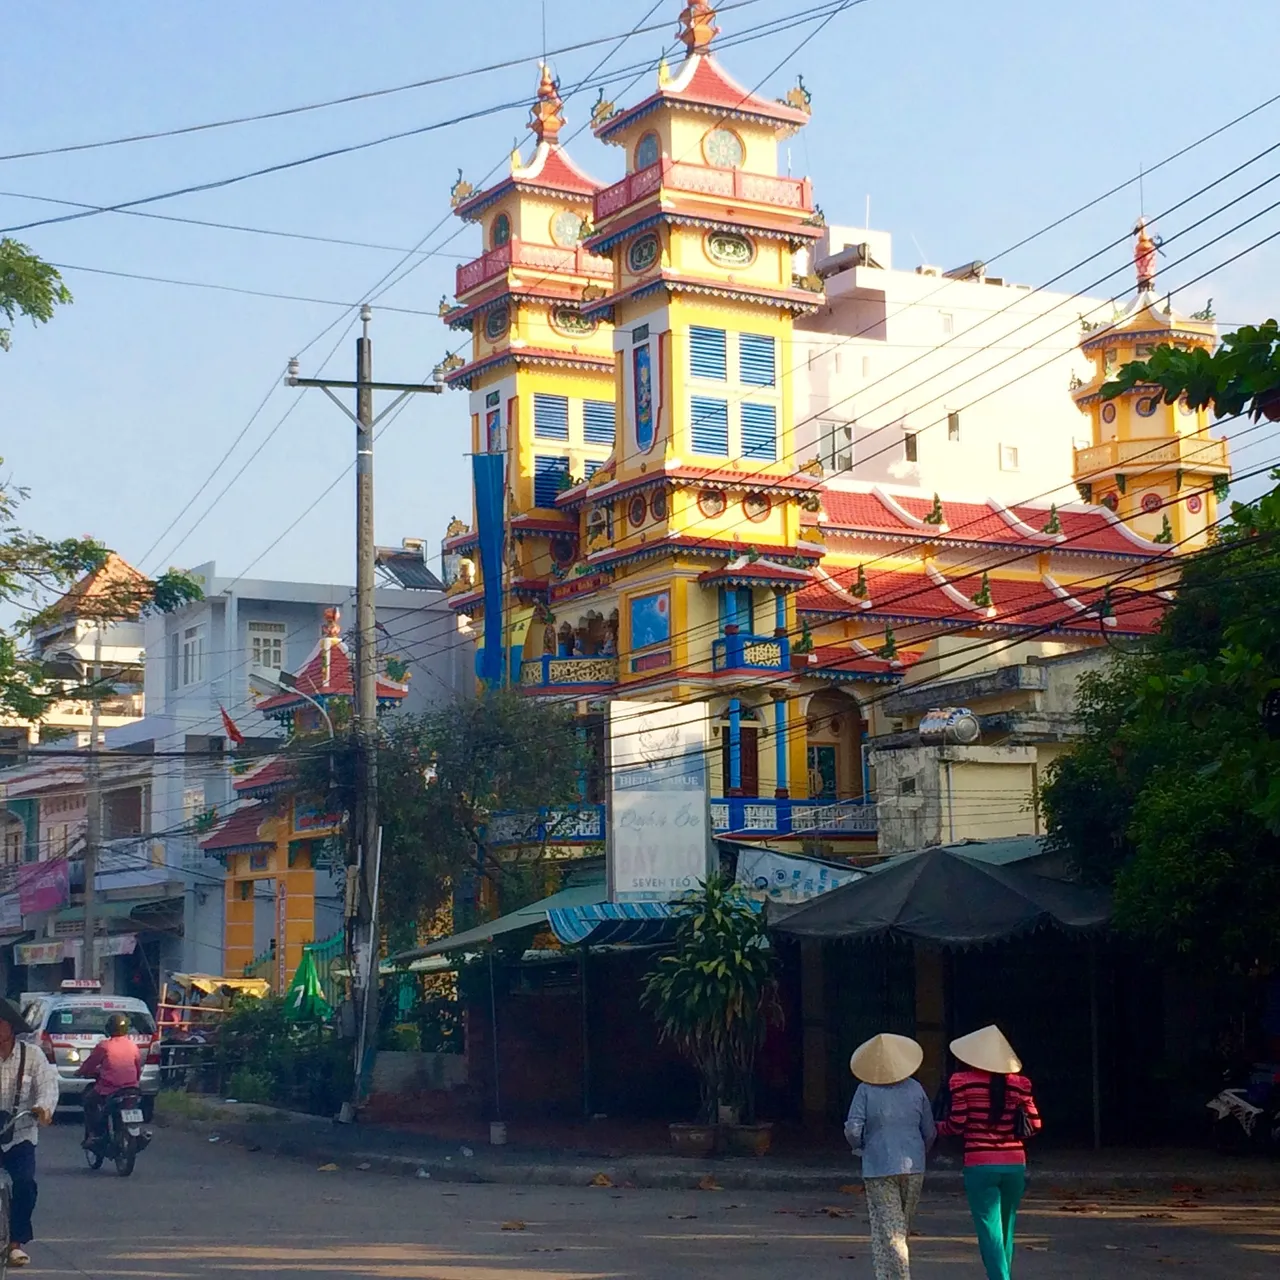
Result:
{"points": [[602, 1180], [709, 1183], [328, 1168], [517, 1225], [851, 1189]]}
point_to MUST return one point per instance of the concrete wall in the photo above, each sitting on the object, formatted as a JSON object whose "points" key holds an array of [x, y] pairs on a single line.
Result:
{"points": [[395, 1073]]}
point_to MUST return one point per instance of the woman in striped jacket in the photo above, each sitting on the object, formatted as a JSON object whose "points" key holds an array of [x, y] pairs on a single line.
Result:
{"points": [[992, 1110]]}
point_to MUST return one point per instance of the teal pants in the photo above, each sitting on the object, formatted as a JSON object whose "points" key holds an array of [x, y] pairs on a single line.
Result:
{"points": [[994, 1192]]}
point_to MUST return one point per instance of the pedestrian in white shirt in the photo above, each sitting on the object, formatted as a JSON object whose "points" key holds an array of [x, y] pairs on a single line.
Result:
{"points": [[28, 1083]]}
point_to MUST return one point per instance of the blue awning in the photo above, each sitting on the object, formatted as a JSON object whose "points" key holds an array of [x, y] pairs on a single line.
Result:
{"points": [[608, 923]]}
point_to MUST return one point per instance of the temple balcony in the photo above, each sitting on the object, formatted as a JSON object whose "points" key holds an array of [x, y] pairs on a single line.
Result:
{"points": [[756, 816], [739, 651], [517, 253], [792, 194], [1128, 457], [579, 673]]}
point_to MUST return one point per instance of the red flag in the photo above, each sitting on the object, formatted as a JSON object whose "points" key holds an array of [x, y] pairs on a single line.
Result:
{"points": [[230, 726]]}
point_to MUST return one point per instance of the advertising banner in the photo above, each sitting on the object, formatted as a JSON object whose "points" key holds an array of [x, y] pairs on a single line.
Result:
{"points": [[44, 886], [489, 473], [659, 841], [38, 953], [10, 913], [765, 874]]}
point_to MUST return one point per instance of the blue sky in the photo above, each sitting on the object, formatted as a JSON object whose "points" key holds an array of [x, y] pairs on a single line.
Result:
{"points": [[969, 125]]}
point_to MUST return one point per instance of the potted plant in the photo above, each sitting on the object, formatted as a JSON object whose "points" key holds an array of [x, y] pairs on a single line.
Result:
{"points": [[714, 995]]}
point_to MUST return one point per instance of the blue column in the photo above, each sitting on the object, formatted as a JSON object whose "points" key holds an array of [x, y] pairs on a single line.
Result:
{"points": [[780, 612], [780, 742], [732, 639], [734, 780]]}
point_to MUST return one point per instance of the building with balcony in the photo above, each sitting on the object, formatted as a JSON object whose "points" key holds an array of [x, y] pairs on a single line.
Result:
{"points": [[743, 541]]}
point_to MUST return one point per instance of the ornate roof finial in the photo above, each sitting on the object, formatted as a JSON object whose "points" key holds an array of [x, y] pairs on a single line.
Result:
{"points": [[698, 26], [1144, 256], [546, 120]]}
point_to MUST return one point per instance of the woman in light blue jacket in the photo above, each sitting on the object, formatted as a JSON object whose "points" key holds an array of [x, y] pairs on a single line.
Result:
{"points": [[890, 1126]]}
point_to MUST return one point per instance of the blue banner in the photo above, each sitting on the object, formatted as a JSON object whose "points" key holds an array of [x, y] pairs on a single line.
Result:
{"points": [[488, 472]]}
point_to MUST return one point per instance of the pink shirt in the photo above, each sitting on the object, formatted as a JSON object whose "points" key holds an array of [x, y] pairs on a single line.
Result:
{"points": [[116, 1063]]}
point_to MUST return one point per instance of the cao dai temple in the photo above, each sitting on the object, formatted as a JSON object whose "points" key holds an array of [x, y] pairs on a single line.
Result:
{"points": [[716, 476]]}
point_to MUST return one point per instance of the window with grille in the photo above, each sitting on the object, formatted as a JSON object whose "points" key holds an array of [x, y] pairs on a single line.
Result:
{"points": [[709, 426], [599, 422], [757, 366], [760, 432], [708, 353], [266, 645], [551, 417], [549, 472]]}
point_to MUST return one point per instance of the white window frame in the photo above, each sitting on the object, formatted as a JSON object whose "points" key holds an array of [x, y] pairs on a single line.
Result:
{"points": [[192, 655], [835, 445], [269, 636], [953, 426], [948, 322], [1009, 457]]}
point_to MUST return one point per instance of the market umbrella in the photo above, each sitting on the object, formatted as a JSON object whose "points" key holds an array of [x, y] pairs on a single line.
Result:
{"points": [[305, 1001], [942, 896]]}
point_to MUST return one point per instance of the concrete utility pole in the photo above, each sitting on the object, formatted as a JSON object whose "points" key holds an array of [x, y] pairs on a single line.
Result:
{"points": [[93, 814], [363, 938]]}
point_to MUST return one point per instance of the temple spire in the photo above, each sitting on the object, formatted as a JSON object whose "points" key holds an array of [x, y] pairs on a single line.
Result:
{"points": [[1144, 256], [698, 26], [546, 118]]}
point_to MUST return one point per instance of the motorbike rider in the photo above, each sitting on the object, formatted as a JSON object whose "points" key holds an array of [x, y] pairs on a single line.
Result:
{"points": [[112, 1065]]}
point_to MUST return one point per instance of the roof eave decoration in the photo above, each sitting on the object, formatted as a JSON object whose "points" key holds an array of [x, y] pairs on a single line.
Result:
{"points": [[526, 355], [795, 232], [797, 301]]}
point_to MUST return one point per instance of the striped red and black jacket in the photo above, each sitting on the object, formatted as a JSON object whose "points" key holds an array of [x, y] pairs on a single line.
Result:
{"points": [[987, 1139]]}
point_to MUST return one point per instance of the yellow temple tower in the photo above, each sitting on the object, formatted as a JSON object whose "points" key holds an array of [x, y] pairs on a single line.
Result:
{"points": [[541, 372], [1153, 464]]}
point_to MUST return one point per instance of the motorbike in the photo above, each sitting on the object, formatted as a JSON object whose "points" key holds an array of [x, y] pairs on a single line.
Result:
{"points": [[1246, 1117], [120, 1135]]}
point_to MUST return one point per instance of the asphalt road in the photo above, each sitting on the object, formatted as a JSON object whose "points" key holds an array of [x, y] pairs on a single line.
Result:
{"points": [[194, 1209]]}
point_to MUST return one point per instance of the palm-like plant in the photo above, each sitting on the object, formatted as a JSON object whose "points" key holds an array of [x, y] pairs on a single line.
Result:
{"points": [[715, 994]]}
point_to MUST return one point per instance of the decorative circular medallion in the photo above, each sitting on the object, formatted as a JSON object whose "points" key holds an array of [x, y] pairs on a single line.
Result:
{"points": [[1184, 407], [756, 507], [728, 249], [711, 502], [1147, 405], [658, 504], [566, 228], [570, 322], [1110, 501], [496, 323], [723, 149], [642, 254], [1194, 503], [637, 508], [1151, 502], [1108, 413], [501, 232], [564, 550], [648, 151]]}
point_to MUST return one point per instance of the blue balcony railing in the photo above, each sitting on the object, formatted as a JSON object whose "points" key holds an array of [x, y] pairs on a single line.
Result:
{"points": [[581, 824], [751, 815], [568, 673], [743, 652]]}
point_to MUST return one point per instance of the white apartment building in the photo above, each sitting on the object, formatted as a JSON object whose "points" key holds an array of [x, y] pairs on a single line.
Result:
{"points": [[953, 382]]}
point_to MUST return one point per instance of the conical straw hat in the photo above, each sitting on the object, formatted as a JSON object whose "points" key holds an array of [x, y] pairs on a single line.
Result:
{"points": [[987, 1050], [886, 1059]]}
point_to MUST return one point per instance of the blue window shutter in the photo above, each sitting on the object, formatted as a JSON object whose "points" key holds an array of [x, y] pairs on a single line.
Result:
{"points": [[709, 426], [756, 362], [547, 473], [760, 432], [551, 417], [708, 353], [590, 466], [598, 422]]}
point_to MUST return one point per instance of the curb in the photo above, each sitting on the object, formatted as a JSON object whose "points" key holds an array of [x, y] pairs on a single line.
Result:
{"points": [[314, 1138]]}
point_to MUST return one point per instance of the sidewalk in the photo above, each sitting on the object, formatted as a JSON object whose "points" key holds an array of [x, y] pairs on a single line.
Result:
{"points": [[396, 1150]]}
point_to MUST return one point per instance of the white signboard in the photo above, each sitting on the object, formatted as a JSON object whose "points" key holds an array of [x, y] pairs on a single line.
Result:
{"points": [[659, 835], [765, 874]]}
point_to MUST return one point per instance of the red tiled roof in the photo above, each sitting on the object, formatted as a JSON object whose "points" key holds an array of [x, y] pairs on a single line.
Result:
{"points": [[268, 776], [557, 172], [1083, 529], [762, 570], [707, 85], [530, 355], [1024, 603], [239, 831], [327, 675], [842, 660]]}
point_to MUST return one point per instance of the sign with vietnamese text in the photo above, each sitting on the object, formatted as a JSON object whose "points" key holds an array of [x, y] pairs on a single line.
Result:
{"points": [[659, 834], [44, 886]]}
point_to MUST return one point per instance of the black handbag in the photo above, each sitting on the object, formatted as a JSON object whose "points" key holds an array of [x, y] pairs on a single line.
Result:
{"points": [[1022, 1126]]}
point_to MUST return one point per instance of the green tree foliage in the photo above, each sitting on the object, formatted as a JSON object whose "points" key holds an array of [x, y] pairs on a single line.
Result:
{"points": [[1242, 374], [28, 287], [32, 570], [442, 776], [715, 995], [1173, 795]]}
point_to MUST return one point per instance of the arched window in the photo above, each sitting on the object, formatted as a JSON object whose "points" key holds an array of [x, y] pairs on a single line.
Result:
{"points": [[648, 151], [501, 232]]}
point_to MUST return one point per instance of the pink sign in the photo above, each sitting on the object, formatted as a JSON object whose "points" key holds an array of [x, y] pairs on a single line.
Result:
{"points": [[44, 886]]}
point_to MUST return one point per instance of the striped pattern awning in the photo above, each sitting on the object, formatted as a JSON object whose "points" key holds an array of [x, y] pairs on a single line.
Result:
{"points": [[609, 923]]}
